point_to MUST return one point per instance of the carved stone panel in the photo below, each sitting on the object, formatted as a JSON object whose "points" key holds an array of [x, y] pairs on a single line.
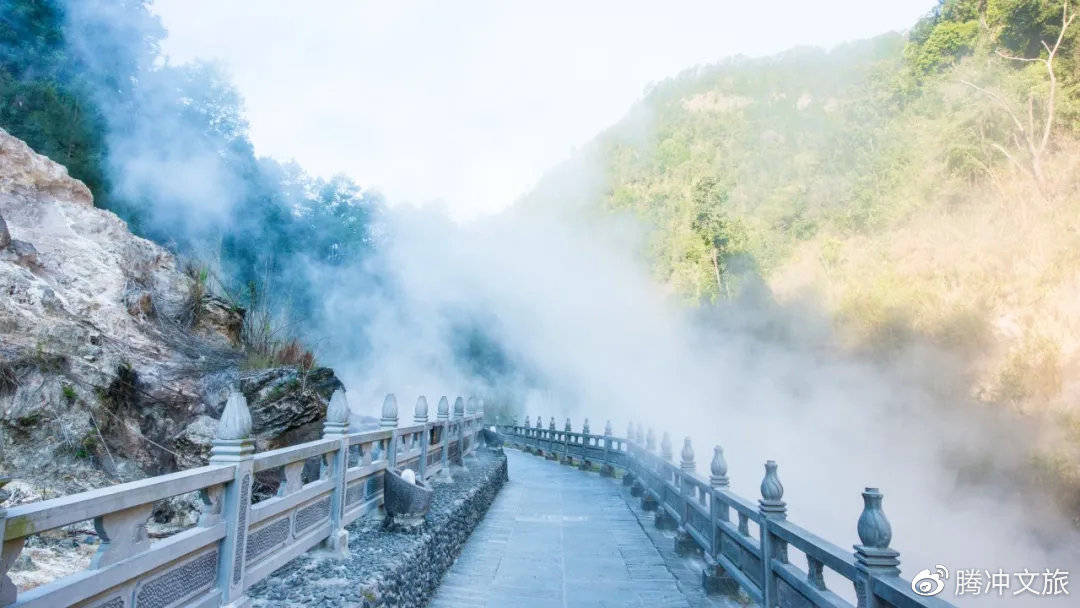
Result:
{"points": [[312, 514], [266, 538], [241, 529], [355, 493], [179, 583]]}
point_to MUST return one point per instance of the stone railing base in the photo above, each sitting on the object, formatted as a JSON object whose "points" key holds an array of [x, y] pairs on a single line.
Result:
{"points": [[409, 567]]}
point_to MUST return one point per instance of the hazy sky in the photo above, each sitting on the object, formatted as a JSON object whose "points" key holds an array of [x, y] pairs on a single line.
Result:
{"points": [[468, 103]]}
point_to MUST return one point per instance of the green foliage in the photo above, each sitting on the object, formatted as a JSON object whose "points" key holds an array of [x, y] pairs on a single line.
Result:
{"points": [[41, 99], [56, 123], [956, 28], [87, 448], [1022, 25], [948, 41], [744, 160], [725, 237], [198, 288], [87, 86]]}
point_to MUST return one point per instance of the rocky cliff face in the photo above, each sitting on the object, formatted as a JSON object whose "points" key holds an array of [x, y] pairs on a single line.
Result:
{"points": [[104, 377]]}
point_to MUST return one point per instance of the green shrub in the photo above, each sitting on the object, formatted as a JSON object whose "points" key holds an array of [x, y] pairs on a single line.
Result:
{"points": [[948, 42]]}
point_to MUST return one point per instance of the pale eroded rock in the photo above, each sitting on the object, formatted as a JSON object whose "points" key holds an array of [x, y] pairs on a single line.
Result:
{"points": [[100, 378]]}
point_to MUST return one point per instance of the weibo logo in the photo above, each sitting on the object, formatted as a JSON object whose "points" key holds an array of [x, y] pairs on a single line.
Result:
{"points": [[927, 583]]}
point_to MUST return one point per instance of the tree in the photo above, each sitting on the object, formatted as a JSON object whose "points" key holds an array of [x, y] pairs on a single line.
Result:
{"points": [[726, 237], [1030, 136]]}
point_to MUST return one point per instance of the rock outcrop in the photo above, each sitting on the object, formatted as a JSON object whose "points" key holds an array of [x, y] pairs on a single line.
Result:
{"points": [[5, 236], [105, 376]]}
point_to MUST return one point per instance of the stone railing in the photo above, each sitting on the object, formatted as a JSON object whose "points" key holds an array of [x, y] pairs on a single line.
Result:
{"points": [[744, 545], [236, 543]]}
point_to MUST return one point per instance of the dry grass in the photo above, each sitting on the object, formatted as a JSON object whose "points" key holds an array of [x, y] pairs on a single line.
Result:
{"points": [[198, 287], [268, 338], [276, 354], [989, 271]]}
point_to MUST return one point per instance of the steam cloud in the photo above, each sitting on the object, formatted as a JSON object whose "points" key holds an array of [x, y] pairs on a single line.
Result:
{"points": [[552, 307], [590, 334]]}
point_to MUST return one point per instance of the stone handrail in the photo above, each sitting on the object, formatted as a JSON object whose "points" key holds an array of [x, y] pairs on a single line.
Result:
{"points": [[235, 543], [714, 521]]}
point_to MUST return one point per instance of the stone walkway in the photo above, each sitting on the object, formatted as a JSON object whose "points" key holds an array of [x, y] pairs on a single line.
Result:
{"points": [[556, 537]]}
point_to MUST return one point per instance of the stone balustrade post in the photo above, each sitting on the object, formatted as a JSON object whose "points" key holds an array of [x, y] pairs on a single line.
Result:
{"points": [[718, 477], [772, 508], [632, 445], [587, 441], [567, 429], [472, 425], [873, 557], [684, 542], [551, 455], [420, 416], [336, 463], [718, 480], [714, 577], [9, 551], [482, 420], [459, 424], [233, 445], [644, 463], [389, 420], [648, 500], [607, 469], [443, 417], [687, 463], [664, 473], [537, 430]]}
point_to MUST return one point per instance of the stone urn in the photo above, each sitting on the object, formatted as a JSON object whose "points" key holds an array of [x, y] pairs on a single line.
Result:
{"points": [[406, 502], [492, 439]]}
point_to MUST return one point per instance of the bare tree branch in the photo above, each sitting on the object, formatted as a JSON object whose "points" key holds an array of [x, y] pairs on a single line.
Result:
{"points": [[1027, 136], [1004, 55], [1012, 159], [1066, 21], [1001, 101]]}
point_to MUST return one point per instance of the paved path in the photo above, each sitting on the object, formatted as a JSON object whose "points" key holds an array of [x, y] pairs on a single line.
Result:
{"points": [[559, 538]]}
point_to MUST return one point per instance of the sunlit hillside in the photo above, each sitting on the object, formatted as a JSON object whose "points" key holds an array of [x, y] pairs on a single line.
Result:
{"points": [[923, 186]]}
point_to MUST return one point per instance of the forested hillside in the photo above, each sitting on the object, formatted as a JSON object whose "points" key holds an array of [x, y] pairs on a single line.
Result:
{"points": [[166, 147], [923, 186]]}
